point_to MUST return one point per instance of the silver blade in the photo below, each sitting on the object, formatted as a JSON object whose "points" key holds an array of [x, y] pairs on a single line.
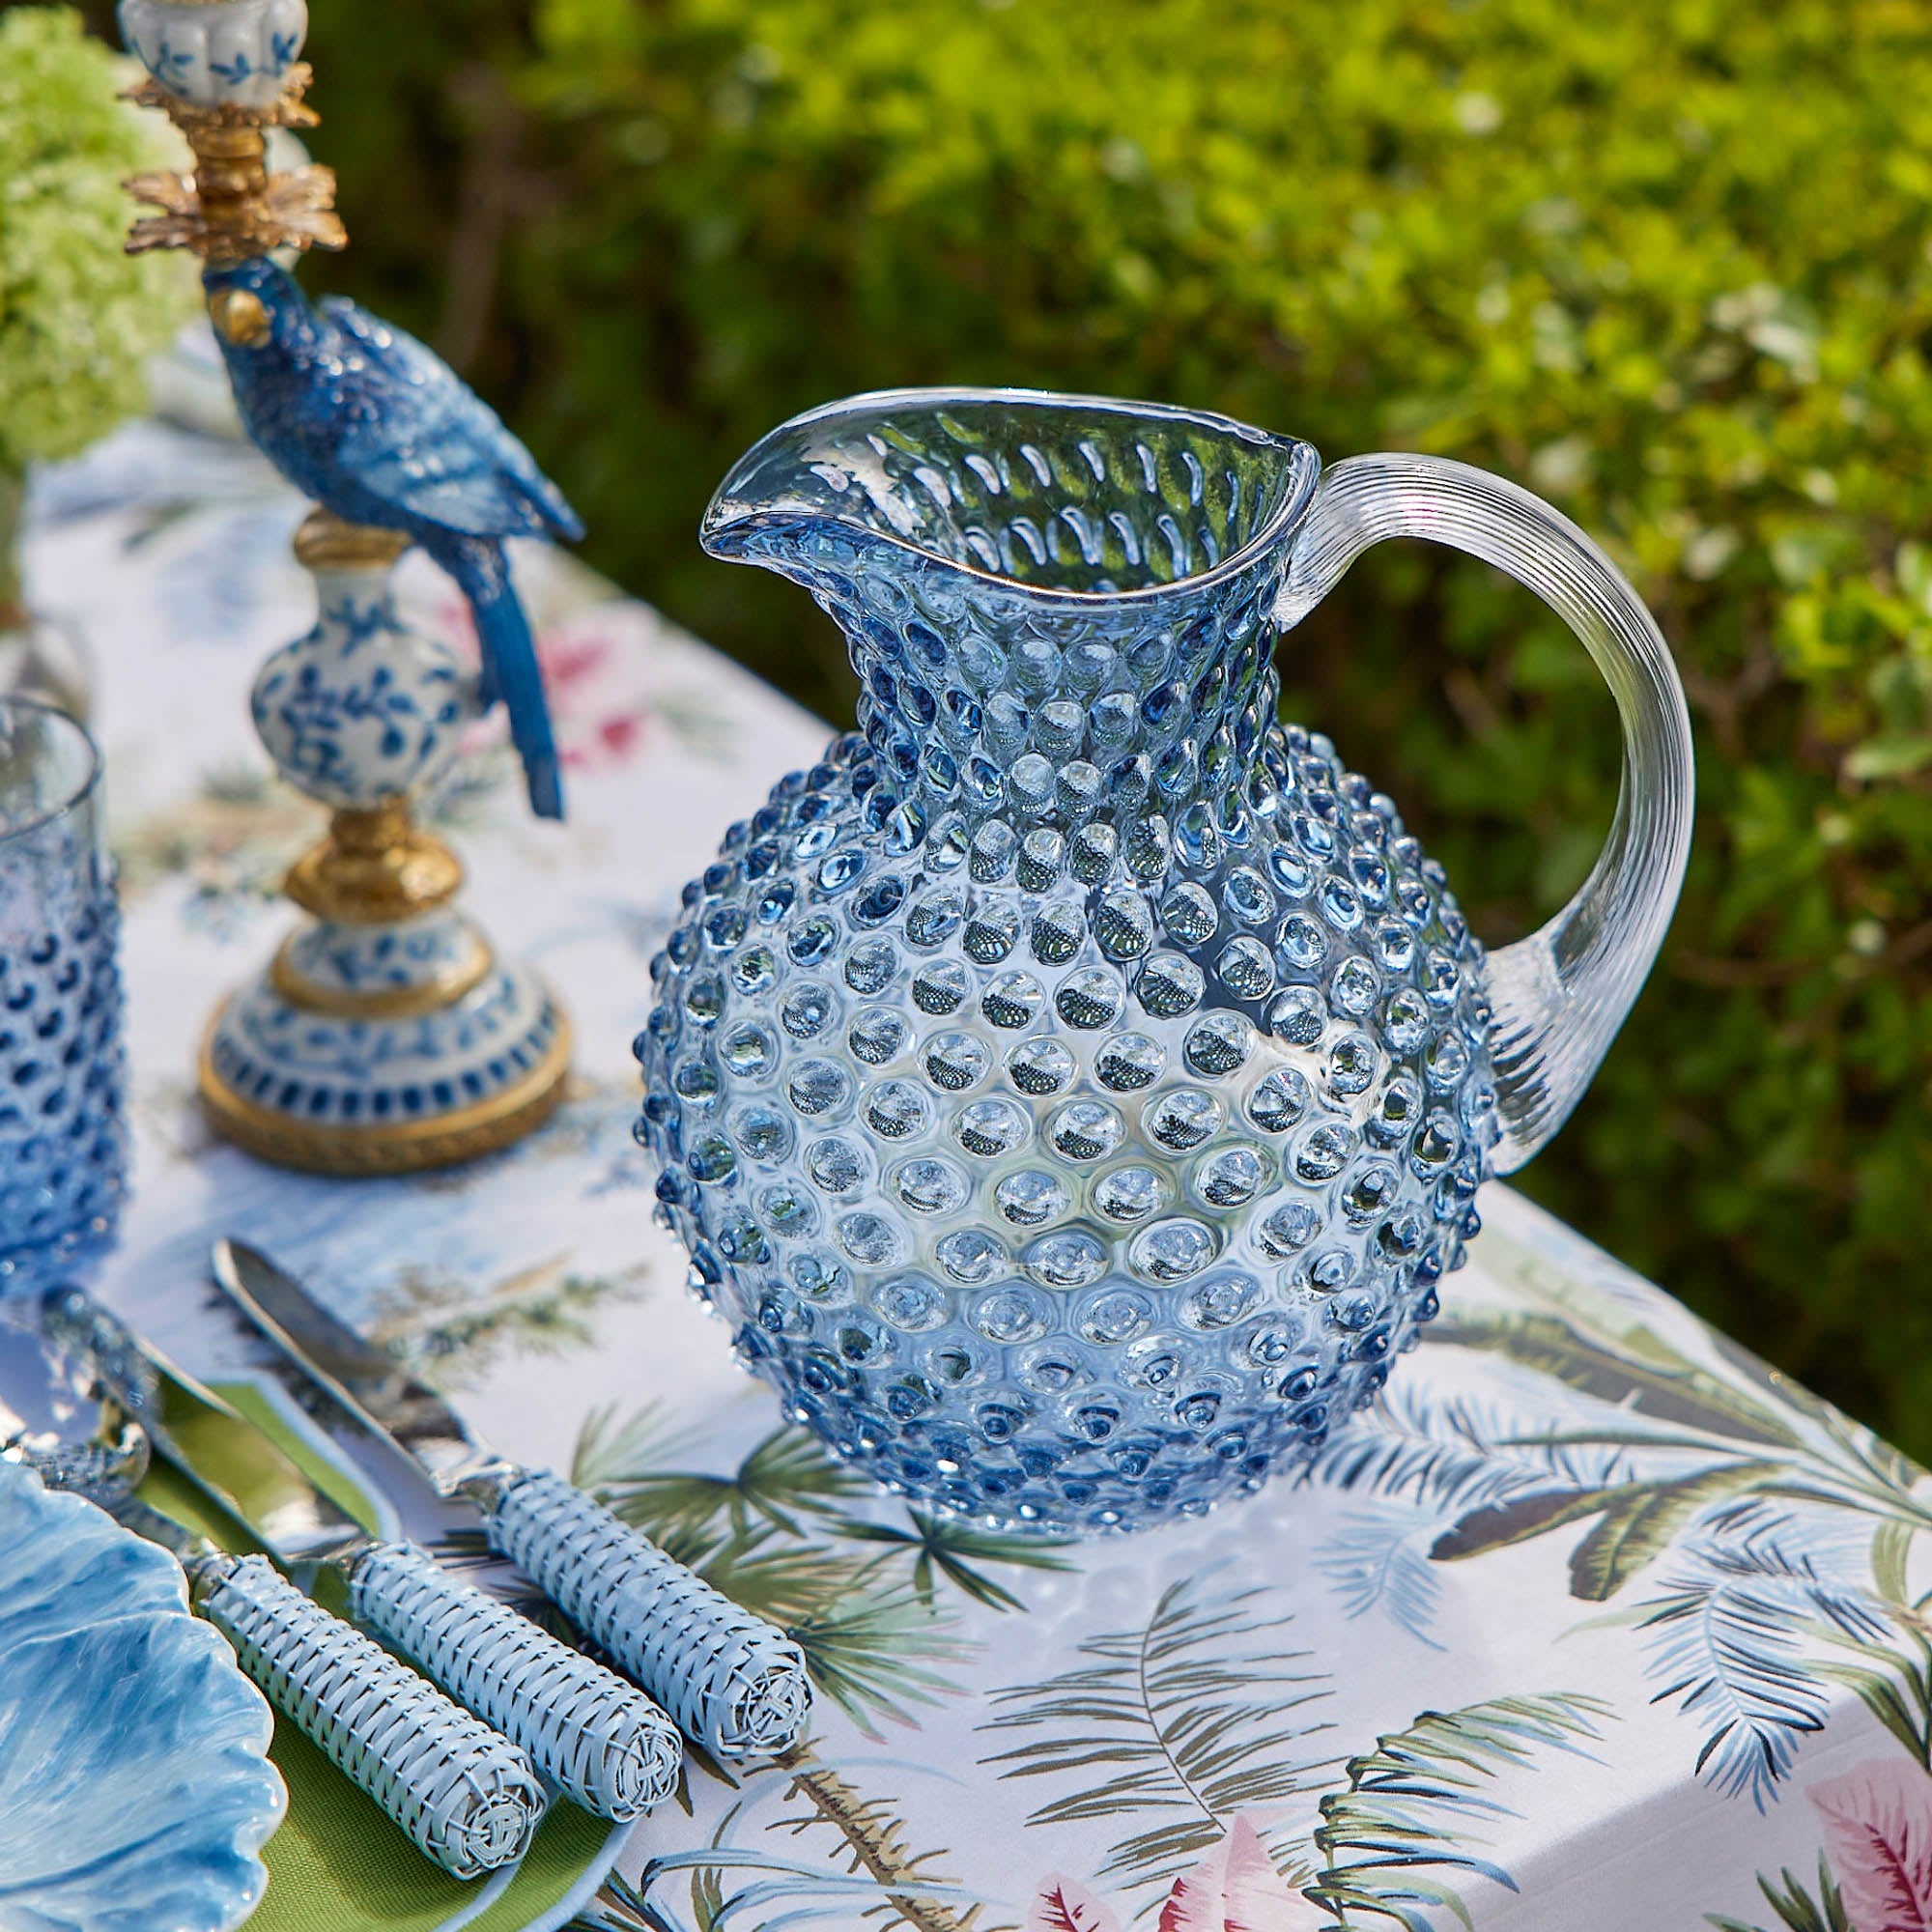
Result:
{"points": [[375, 1389], [243, 1469]]}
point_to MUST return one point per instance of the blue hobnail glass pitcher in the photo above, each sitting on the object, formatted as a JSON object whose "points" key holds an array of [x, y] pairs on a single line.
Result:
{"points": [[1074, 1090]]}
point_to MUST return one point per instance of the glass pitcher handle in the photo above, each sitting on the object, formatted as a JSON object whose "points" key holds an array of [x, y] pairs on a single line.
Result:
{"points": [[1560, 995]]}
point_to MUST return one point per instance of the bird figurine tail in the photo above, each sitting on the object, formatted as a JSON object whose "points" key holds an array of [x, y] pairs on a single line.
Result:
{"points": [[510, 670]]}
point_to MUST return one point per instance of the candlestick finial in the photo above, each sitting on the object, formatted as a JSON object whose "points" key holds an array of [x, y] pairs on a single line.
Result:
{"points": [[225, 71]]}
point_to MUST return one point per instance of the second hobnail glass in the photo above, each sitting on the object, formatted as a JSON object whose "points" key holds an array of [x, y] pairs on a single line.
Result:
{"points": [[63, 1129]]}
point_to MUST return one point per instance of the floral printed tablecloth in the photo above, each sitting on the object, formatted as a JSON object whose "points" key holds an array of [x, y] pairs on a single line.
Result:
{"points": [[1594, 1625]]}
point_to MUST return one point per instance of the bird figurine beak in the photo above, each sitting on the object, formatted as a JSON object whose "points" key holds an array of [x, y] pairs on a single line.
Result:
{"points": [[239, 316]]}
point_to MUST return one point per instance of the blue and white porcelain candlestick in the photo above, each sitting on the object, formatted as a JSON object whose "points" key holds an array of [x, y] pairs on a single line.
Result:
{"points": [[386, 1036]]}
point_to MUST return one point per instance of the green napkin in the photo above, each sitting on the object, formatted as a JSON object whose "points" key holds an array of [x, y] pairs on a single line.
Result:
{"points": [[336, 1864]]}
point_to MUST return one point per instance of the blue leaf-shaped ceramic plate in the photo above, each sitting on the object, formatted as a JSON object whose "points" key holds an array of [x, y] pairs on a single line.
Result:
{"points": [[135, 1787]]}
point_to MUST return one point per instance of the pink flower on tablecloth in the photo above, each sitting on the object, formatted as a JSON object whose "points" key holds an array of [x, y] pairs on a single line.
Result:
{"points": [[1237, 1888], [568, 658], [1878, 1831], [602, 718], [1234, 1889], [1065, 1905], [598, 713], [618, 735]]}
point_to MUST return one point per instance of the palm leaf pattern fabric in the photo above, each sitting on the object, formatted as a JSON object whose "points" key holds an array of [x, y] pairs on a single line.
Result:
{"points": [[1203, 1712]]}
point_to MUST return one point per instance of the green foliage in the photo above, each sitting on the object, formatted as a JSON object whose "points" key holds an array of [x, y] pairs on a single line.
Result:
{"points": [[1734, 1475], [1667, 261], [78, 318], [1410, 1806], [942, 1547], [1796, 1909], [434, 1322], [785, 1477], [1197, 1714]]}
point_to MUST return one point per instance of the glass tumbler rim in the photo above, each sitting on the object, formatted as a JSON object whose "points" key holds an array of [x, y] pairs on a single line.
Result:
{"points": [[81, 793]]}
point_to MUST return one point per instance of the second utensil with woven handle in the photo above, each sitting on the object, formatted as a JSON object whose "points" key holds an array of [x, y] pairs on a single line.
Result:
{"points": [[736, 1684], [733, 1681], [598, 1739]]}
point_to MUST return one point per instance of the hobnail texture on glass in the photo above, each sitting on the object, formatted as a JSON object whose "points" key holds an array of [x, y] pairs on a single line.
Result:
{"points": [[1074, 1089], [63, 1138]]}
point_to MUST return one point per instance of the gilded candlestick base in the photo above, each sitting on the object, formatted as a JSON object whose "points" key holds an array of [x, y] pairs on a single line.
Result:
{"points": [[374, 867], [386, 1034], [389, 1145]]}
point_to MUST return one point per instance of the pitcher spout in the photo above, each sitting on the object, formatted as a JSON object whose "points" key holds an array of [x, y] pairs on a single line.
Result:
{"points": [[1053, 497]]}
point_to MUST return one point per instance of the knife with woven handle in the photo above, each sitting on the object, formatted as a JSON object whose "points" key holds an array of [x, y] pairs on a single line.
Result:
{"points": [[736, 1684], [598, 1739], [731, 1681]]}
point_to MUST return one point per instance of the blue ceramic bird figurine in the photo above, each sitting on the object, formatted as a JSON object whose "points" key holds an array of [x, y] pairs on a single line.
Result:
{"points": [[380, 430]]}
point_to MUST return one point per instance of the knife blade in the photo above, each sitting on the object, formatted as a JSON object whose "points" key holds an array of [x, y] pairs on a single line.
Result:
{"points": [[595, 1737], [467, 1798], [734, 1683]]}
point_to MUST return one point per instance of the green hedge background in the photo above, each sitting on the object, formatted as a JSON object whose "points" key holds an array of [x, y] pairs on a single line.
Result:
{"points": [[1668, 262]]}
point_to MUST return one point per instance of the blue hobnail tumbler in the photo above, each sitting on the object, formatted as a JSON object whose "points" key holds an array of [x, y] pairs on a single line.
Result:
{"points": [[63, 1124]]}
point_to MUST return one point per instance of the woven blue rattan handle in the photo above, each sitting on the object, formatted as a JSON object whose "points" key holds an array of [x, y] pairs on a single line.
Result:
{"points": [[734, 1683], [599, 1740], [464, 1797]]}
